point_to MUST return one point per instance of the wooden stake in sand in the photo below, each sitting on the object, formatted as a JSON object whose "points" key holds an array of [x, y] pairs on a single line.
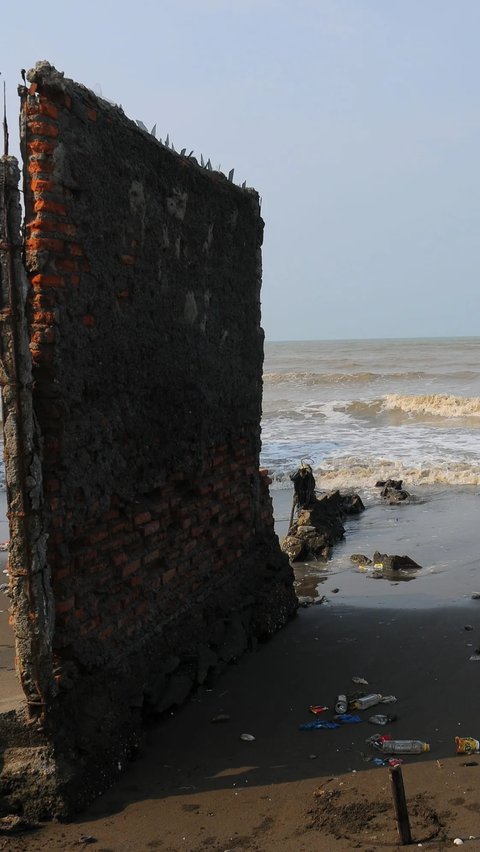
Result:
{"points": [[400, 805]]}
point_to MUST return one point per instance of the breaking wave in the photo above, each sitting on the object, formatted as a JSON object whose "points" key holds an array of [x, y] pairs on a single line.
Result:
{"points": [[308, 379], [426, 406], [351, 472]]}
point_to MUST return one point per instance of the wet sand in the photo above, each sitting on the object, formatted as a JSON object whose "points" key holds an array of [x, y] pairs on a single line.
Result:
{"points": [[198, 786]]}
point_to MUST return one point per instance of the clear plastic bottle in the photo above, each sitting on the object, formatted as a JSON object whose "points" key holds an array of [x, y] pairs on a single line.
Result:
{"points": [[341, 704], [404, 747], [367, 701]]}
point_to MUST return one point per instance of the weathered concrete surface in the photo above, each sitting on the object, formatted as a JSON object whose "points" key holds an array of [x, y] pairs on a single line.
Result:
{"points": [[143, 502]]}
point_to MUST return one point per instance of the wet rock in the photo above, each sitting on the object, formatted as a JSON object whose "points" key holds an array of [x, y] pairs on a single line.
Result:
{"points": [[392, 491], [395, 563], [319, 526], [360, 559]]}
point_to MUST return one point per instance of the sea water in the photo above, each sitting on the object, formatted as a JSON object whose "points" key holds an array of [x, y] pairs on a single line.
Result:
{"points": [[360, 411]]}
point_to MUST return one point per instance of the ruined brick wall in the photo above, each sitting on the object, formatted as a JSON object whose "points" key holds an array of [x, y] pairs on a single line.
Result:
{"points": [[144, 330]]}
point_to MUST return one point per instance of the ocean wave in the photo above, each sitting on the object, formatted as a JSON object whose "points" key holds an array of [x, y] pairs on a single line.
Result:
{"points": [[308, 379], [351, 472], [430, 407], [438, 405]]}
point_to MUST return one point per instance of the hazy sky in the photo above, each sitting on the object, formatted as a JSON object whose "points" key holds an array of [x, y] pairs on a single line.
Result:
{"points": [[358, 122]]}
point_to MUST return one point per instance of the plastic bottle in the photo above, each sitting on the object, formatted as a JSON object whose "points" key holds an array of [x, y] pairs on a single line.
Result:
{"points": [[380, 719], [341, 704], [367, 701], [404, 747]]}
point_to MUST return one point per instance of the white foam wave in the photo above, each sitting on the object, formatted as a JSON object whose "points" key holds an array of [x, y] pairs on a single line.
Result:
{"points": [[438, 405], [351, 472]]}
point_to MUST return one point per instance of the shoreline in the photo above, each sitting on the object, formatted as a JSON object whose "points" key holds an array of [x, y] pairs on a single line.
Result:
{"points": [[196, 786]]}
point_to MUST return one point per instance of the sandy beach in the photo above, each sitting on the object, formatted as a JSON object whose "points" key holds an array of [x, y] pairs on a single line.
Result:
{"points": [[197, 785]]}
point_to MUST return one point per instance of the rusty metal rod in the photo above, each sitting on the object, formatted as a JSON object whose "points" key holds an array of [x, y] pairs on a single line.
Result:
{"points": [[400, 805]]}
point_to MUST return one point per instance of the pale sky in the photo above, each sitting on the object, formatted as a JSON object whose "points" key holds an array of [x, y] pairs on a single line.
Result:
{"points": [[358, 122]]}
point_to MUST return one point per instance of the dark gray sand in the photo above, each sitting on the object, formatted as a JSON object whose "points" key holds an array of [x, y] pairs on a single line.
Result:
{"points": [[198, 786]]}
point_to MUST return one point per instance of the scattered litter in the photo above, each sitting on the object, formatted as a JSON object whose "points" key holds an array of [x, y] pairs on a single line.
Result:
{"points": [[312, 756], [317, 708], [335, 591], [377, 761], [222, 717], [87, 838], [394, 761], [388, 699], [380, 719], [319, 723], [476, 596], [458, 841], [475, 658], [341, 704], [470, 763], [360, 680], [247, 738], [467, 745], [468, 627], [4, 545]]}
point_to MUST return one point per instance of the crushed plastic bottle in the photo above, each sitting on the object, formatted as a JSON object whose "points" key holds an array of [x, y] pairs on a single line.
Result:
{"points": [[404, 747], [341, 704], [381, 719], [367, 701]]}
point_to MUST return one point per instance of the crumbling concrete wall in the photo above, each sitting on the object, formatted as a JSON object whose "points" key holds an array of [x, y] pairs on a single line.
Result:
{"points": [[143, 324]]}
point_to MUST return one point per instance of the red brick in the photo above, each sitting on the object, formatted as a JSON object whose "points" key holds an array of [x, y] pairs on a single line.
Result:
{"points": [[88, 321], [42, 107], [40, 280], [37, 167], [91, 114], [75, 249], [142, 518], [98, 535], [151, 528], [45, 244], [35, 146], [46, 204], [168, 576], [131, 567], [41, 185], [43, 128]]}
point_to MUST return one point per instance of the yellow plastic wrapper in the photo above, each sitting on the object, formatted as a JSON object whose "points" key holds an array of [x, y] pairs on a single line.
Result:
{"points": [[467, 745]]}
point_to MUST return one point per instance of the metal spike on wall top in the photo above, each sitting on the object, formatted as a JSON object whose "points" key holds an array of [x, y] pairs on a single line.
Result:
{"points": [[182, 152], [208, 165], [167, 141], [244, 184], [141, 125], [153, 131], [230, 175], [202, 162]]}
